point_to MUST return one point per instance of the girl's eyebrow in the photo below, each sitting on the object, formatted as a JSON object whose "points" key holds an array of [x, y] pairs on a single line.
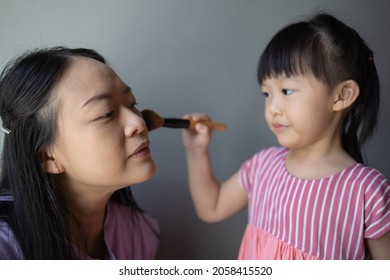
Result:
{"points": [[263, 84]]}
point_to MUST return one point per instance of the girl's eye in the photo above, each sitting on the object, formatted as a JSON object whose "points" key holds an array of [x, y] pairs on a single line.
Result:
{"points": [[287, 91], [265, 94]]}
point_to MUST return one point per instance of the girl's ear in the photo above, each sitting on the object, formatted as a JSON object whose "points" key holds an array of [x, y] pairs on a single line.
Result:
{"points": [[50, 164], [345, 95]]}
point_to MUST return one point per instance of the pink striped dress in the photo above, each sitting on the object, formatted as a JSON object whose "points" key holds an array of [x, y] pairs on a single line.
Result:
{"points": [[328, 218]]}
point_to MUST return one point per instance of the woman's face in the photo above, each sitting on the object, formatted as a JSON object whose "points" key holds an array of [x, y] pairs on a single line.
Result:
{"points": [[102, 141]]}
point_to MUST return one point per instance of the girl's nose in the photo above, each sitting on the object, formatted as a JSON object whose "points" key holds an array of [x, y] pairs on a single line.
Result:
{"points": [[133, 122], [274, 106]]}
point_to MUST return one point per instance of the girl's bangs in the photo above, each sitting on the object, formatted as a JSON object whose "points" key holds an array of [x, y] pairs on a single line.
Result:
{"points": [[290, 53]]}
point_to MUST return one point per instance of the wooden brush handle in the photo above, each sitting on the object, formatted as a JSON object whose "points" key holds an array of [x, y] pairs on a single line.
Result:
{"points": [[184, 123], [211, 125]]}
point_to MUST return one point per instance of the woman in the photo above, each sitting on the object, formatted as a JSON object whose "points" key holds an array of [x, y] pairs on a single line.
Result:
{"points": [[74, 143]]}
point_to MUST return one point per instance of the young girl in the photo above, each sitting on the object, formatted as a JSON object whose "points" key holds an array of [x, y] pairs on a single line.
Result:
{"points": [[74, 141], [312, 198]]}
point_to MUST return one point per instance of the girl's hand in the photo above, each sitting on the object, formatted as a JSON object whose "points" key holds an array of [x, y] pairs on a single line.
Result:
{"points": [[198, 139]]}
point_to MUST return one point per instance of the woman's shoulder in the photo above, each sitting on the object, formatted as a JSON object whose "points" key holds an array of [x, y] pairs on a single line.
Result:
{"points": [[130, 233], [119, 211], [9, 247]]}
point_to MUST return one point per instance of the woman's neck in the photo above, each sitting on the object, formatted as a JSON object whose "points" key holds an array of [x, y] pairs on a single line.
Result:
{"points": [[92, 226], [90, 214]]}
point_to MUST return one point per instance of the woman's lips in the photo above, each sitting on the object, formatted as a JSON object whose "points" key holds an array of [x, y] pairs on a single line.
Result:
{"points": [[141, 151]]}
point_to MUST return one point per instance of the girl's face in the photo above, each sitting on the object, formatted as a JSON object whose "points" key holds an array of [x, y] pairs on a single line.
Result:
{"points": [[299, 111], [102, 141]]}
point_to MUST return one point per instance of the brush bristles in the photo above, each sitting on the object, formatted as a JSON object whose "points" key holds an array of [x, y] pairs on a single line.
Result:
{"points": [[152, 120]]}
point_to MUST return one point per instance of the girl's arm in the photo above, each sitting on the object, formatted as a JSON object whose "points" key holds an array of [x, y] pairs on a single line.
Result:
{"points": [[213, 201], [380, 248]]}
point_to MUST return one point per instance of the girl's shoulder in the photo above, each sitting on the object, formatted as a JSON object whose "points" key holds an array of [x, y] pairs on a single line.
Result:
{"points": [[263, 160], [274, 150], [273, 153], [367, 175]]}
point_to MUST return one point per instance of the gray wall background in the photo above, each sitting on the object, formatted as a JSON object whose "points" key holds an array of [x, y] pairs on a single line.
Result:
{"points": [[182, 56]]}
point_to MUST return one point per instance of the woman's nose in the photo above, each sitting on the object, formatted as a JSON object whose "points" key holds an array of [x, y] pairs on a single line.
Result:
{"points": [[133, 122]]}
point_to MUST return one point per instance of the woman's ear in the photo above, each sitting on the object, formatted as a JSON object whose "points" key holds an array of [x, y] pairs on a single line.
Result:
{"points": [[50, 164], [345, 95]]}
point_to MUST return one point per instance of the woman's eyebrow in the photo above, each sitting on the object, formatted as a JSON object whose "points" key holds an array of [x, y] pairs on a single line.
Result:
{"points": [[128, 90], [97, 97], [103, 96]]}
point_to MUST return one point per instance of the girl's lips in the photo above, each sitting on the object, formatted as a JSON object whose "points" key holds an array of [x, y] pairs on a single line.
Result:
{"points": [[279, 127]]}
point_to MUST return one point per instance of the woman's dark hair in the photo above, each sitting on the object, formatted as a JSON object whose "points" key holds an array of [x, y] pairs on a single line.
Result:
{"points": [[37, 211], [332, 52]]}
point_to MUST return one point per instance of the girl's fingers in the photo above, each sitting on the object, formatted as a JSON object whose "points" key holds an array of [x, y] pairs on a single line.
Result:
{"points": [[197, 117]]}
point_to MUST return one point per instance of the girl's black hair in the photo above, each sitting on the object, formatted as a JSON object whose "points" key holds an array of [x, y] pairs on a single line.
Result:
{"points": [[333, 52], [31, 202]]}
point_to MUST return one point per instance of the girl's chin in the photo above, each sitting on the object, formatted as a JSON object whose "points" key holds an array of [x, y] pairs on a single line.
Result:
{"points": [[286, 143]]}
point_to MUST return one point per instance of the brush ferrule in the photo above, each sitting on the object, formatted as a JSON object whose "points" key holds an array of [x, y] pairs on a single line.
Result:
{"points": [[176, 123]]}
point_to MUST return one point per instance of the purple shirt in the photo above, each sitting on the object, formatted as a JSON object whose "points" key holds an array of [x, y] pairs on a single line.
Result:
{"points": [[129, 234]]}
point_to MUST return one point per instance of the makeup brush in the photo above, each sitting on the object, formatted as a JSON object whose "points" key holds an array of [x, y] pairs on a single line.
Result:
{"points": [[154, 121]]}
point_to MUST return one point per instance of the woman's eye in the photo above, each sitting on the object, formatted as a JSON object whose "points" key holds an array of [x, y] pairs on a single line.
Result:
{"points": [[287, 91], [132, 106], [107, 115], [265, 94]]}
